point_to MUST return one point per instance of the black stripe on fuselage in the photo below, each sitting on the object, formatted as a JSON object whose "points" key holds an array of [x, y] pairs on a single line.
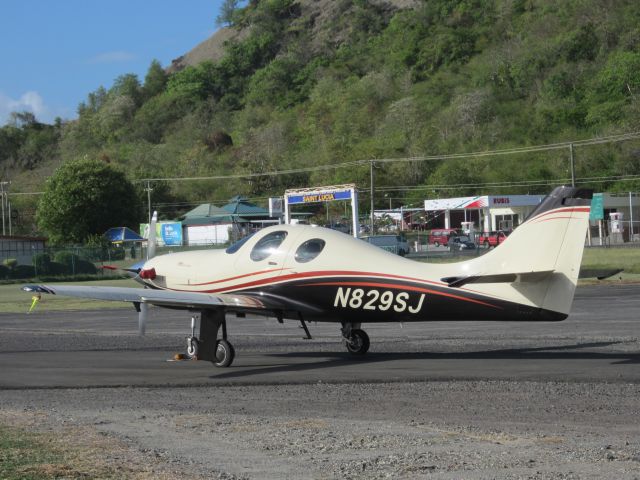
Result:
{"points": [[371, 299]]}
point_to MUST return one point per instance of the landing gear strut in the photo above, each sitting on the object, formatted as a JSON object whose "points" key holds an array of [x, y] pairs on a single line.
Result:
{"points": [[209, 347], [193, 344], [355, 339]]}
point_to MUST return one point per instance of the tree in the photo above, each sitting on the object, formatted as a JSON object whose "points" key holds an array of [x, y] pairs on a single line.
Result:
{"points": [[155, 80], [127, 85], [86, 197], [22, 119], [227, 11]]}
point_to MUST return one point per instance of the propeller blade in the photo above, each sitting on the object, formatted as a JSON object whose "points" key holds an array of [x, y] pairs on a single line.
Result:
{"points": [[151, 242], [142, 318]]}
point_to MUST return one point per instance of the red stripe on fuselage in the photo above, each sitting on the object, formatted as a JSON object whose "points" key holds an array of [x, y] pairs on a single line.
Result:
{"points": [[332, 273], [401, 287], [233, 278]]}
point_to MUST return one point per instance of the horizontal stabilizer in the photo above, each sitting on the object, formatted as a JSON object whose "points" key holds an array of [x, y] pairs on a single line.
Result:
{"points": [[457, 282], [599, 273]]}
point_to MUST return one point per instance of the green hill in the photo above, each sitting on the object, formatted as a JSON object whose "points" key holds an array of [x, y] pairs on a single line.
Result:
{"points": [[312, 83]]}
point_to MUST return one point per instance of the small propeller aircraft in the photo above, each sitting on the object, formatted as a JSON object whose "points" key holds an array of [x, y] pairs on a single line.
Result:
{"points": [[308, 273]]}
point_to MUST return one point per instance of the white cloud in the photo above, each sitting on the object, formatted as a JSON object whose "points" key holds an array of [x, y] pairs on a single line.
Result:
{"points": [[29, 101], [113, 57]]}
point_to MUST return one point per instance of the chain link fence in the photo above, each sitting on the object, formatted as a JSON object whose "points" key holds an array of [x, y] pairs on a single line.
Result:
{"points": [[614, 233], [73, 261]]}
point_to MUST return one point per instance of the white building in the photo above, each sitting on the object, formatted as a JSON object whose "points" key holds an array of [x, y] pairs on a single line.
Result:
{"points": [[483, 213], [20, 248], [616, 219]]}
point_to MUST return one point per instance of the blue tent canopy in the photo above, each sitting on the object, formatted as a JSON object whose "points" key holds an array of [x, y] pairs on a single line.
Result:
{"points": [[122, 234]]}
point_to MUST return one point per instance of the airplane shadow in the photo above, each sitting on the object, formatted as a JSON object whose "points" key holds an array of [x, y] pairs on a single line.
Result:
{"points": [[302, 361]]}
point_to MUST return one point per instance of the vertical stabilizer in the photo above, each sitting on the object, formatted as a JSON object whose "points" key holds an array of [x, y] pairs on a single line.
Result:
{"points": [[550, 243]]}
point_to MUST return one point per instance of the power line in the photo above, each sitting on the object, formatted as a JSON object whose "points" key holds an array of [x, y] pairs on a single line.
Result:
{"points": [[452, 156]]}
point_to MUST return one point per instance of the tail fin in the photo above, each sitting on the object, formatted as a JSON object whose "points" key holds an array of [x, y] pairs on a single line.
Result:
{"points": [[539, 262]]}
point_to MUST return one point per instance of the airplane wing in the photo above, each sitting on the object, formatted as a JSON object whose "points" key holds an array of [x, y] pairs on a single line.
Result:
{"points": [[166, 298]]}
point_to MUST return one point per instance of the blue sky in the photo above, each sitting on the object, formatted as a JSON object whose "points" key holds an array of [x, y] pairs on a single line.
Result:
{"points": [[54, 52]]}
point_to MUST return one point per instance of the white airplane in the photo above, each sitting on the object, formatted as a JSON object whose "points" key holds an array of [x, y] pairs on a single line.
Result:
{"points": [[309, 273]]}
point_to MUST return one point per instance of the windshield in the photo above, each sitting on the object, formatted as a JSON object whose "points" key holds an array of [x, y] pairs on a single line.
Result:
{"points": [[236, 246]]}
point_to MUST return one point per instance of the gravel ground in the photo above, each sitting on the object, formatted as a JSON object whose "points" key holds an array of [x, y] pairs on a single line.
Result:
{"points": [[400, 430]]}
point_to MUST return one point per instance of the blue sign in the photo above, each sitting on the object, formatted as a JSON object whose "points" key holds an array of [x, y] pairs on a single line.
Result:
{"points": [[167, 233], [171, 233], [319, 197]]}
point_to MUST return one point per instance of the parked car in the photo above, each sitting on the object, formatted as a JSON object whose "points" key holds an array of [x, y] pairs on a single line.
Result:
{"points": [[461, 242], [492, 239], [440, 236], [391, 243]]}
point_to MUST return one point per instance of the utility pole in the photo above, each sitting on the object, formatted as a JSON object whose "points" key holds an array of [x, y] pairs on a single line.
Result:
{"points": [[148, 190], [573, 166], [372, 207], [4, 199]]}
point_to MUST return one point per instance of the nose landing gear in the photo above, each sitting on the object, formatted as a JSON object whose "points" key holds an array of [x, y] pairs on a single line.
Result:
{"points": [[355, 339]]}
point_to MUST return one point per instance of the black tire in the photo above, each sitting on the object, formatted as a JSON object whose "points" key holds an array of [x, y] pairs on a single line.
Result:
{"points": [[486, 244], [224, 354], [193, 347], [358, 343], [436, 244]]}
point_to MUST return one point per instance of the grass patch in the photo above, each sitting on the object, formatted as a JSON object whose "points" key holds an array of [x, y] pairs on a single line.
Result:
{"points": [[72, 452], [29, 456], [627, 258], [25, 456]]}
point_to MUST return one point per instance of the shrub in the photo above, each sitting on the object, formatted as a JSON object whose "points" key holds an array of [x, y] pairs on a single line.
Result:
{"points": [[84, 266], [68, 260], [56, 268], [42, 263], [23, 271], [10, 263]]}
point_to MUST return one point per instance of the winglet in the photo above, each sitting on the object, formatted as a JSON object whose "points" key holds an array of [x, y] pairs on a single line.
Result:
{"points": [[38, 289]]}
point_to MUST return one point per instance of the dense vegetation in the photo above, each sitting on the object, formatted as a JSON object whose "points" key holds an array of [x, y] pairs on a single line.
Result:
{"points": [[306, 88]]}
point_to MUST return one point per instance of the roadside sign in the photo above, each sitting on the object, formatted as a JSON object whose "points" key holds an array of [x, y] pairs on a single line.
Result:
{"points": [[597, 207], [319, 196]]}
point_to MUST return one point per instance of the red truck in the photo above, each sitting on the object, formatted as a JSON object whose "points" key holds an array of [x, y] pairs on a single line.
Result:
{"points": [[492, 239]]}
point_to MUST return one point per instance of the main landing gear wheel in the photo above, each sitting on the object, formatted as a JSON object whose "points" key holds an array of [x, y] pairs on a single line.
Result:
{"points": [[358, 342], [224, 354]]}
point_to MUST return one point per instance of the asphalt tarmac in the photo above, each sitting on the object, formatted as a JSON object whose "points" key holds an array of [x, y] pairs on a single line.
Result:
{"points": [[599, 342]]}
